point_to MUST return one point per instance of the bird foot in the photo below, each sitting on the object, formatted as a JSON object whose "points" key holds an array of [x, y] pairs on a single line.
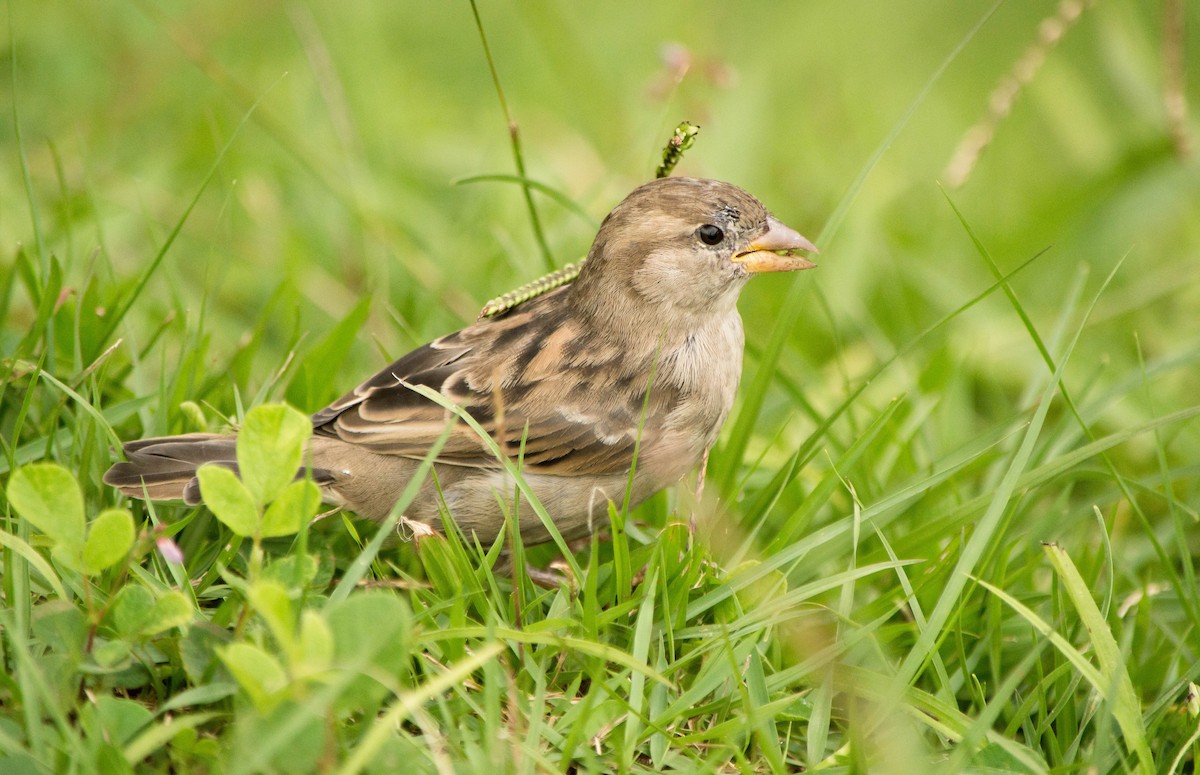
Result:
{"points": [[554, 576], [414, 531]]}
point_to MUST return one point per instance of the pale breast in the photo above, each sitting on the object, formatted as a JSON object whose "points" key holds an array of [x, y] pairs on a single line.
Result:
{"points": [[706, 367]]}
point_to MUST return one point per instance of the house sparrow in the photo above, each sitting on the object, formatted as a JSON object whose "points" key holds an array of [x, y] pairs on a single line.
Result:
{"points": [[642, 353]]}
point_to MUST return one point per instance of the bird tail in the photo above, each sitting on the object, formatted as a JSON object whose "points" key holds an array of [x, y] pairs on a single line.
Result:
{"points": [[165, 468]]}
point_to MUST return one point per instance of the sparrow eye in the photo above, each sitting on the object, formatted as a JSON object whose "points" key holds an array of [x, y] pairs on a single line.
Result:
{"points": [[710, 235]]}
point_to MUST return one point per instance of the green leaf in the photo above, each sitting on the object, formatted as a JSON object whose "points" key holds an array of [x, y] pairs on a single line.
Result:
{"points": [[258, 673], [369, 623], [288, 513], [47, 495], [135, 614], [69, 555], [113, 653], [269, 600], [198, 650], [60, 626], [315, 646], [119, 718], [270, 448], [295, 571], [228, 499], [170, 610], [129, 610], [158, 735], [108, 541], [372, 634]]}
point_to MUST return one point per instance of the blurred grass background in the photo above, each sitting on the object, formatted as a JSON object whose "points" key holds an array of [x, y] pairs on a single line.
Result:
{"points": [[359, 118], [341, 186]]}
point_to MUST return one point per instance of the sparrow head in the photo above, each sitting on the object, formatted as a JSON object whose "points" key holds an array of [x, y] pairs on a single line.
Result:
{"points": [[686, 244]]}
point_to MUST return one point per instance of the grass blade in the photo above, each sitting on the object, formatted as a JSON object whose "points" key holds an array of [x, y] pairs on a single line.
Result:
{"points": [[1117, 685]]}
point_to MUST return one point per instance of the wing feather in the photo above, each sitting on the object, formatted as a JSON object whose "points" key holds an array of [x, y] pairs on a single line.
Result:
{"points": [[519, 377]]}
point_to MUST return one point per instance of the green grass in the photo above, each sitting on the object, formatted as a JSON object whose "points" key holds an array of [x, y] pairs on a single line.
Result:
{"points": [[952, 524]]}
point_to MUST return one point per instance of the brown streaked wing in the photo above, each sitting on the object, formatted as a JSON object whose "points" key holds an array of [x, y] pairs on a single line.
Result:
{"points": [[435, 355], [566, 432]]}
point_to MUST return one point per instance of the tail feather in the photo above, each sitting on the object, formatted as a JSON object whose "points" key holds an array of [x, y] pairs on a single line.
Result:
{"points": [[165, 468]]}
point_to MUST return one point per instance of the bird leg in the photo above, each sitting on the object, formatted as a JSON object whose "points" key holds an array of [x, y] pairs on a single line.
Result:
{"points": [[699, 493], [557, 574]]}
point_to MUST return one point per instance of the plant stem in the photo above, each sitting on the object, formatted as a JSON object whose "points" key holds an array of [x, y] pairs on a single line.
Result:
{"points": [[514, 135]]}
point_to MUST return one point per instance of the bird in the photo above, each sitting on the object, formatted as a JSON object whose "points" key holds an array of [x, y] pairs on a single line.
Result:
{"points": [[614, 385]]}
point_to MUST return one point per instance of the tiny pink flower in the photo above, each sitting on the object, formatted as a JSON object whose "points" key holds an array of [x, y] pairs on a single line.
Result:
{"points": [[169, 550]]}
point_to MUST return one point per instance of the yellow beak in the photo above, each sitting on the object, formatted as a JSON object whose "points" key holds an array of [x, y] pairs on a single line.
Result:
{"points": [[772, 252]]}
